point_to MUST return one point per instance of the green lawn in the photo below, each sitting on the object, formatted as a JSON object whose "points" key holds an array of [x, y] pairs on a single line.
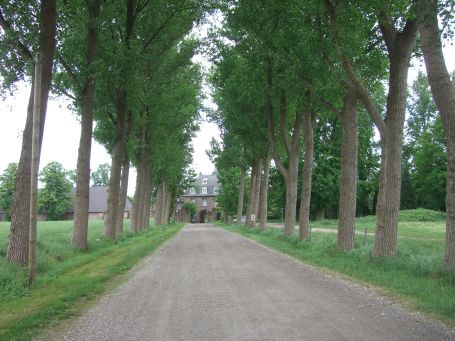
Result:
{"points": [[66, 276], [416, 277]]}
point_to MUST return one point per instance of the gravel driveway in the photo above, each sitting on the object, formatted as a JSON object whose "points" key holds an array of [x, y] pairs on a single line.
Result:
{"points": [[210, 284]]}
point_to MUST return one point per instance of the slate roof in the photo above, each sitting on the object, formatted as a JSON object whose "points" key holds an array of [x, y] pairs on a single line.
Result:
{"points": [[98, 200], [212, 182]]}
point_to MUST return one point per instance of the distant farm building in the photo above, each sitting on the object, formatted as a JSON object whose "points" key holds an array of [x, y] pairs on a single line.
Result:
{"points": [[203, 194], [97, 205]]}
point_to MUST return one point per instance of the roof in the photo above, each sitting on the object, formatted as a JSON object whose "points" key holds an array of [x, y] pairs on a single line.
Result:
{"points": [[212, 183], [98, 200]]}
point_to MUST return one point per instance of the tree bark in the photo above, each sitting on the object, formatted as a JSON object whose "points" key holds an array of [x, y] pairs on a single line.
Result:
{"points": [[118, 154], [145, 221], [138, 204], [305, 199], [159, 204], [137, 220], [167, 211], [164, 204], [123, 194], [257, 190], [250, 212], [81, 201], [18, 249], [444, 95], [18, 239], [33, 211], [348, 178], [264, 193], [241, 196]]}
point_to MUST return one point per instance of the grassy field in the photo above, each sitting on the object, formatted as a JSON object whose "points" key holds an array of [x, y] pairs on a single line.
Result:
{"points": [[415, 224], [416, 277], [66, 276]]}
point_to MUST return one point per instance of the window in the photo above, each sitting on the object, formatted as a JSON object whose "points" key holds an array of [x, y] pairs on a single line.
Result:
{"points": [[192, 191], [215, 190], [204, 202], [193, 201], [204, 190], [204, 181]]}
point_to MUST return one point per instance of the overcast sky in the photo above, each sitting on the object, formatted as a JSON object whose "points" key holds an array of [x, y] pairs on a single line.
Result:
{"points": [[62, 131]]}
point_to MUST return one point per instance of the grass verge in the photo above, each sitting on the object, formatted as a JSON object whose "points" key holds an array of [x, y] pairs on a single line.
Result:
{"points": [[67, 276], [416, 277]]}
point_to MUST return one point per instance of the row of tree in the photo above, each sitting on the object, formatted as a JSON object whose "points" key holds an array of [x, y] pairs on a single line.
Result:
{"points": [[423, 167], [126, 65], [326, 70]]}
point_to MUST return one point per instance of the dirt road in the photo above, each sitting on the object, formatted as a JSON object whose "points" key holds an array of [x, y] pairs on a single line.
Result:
{"points": [[209, 284]]}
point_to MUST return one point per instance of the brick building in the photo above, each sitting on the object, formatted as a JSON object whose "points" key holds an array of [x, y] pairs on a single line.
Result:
{"points": [[203, 193]]}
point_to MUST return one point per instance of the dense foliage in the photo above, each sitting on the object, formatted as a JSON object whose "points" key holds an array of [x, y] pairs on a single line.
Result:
{"points": [[7, 188], [55, 196]]}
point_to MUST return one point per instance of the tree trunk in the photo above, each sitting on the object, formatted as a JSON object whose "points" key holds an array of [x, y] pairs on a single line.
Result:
{"points": [[291, 196], [145, 220], [20, 220], [81, 200], [292, 149], [257, 190], [123, 194], [18, 239], [118, 154], [43, 77], [167, 211], [250, 212], [138, 199], [33, 211], [348, 178], [137, 220], [159, 204], [241, 196], [264, 193], [164, 204], [444, 95], [320, 214], [138, 204], [305, 199], [388, 205]]}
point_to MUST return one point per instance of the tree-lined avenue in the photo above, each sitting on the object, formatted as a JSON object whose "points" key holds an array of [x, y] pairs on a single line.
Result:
{"points": [[210, 284]]}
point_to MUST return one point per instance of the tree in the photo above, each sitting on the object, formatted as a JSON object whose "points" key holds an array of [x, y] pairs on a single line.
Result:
{"points": [[397, 32], [100, 177], [55, 197], [20, 21], [7, 188], [443, 91], [424, 153], [430, 162], [77, 58]]}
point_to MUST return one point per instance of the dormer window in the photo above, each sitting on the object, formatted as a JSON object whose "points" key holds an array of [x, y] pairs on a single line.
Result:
{"points": [[204, 190], [192, 191], [204, 181]]}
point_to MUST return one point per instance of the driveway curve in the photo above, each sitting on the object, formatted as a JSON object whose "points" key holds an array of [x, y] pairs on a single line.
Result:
{"points": [[210, 284]]}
